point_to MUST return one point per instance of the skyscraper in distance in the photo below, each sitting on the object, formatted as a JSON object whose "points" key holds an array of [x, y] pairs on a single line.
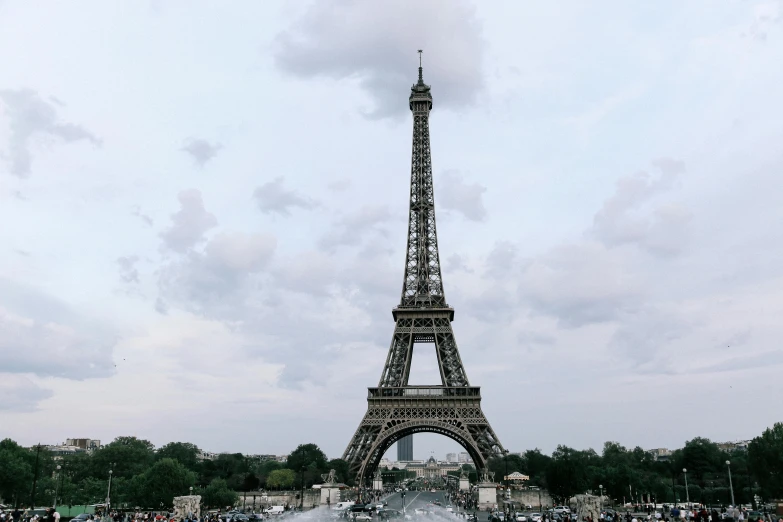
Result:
{"points": [[405, 448]]}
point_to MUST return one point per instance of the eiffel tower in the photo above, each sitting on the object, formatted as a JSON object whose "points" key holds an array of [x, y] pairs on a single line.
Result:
{"points": [[396, 409]]}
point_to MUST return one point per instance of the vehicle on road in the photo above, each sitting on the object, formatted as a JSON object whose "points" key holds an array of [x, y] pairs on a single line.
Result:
{"points": [[535, 517], [342, 505], [275, 510], [520, 517], [562, 509], [433, 490]]}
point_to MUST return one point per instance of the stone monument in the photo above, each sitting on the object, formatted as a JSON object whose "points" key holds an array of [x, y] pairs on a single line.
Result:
{"points": [[588, 505], [377, 481], [330, 491], [464, 483], [186, 507], [487, 491]]}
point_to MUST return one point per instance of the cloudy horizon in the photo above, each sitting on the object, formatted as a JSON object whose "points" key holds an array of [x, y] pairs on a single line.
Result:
{"points": [[204, 212]]}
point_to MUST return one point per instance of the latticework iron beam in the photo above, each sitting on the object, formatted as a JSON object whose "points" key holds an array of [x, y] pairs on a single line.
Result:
{"points": [[396, 409]]}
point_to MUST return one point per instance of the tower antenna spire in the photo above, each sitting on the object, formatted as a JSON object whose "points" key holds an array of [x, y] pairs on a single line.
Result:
{"points": [[421, 78]]}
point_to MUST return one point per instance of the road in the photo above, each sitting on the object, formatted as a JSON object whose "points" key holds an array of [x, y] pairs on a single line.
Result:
{"points": [[415, 499]]}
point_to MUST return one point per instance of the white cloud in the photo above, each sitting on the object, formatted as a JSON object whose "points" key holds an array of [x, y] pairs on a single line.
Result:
{"points": [[19, 393], [273, 198], [453, 193], [354, 227], [377, 44], [43, 336], [31, 117], [201, 150], [189, 223]]}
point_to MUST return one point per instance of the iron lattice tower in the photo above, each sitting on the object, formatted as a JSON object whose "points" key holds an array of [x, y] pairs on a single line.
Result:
{"points": [[396, 409]]}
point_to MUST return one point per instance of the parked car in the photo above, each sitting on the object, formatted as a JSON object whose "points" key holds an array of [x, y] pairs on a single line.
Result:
{"points": [[520, 517], [535, 517]]}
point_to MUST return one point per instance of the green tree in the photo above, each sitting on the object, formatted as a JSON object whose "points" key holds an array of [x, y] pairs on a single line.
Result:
{"points": [[512, 463], [125, 456], [306, 455], [765, 456], [566, 474], [311, 459], [163, 481], [218, 494], [16, 473], [264, 468], [281, 479], [700, 457], [536, 464], [184, 452]]}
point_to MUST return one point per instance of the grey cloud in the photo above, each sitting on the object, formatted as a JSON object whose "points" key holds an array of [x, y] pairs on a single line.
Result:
{"points": [[20, 394], [189, 223], [580, 284], [308, 272], [494, 304], [136, 211], [622, 219], [201, 282], [377, 44], [339, 185], [455, 263], [41, 335], [161, 306], [455, 194], [31, 116], [201, 150], [128, 271], [501, 260], [354, 227], [273, 198], [642, 334]]}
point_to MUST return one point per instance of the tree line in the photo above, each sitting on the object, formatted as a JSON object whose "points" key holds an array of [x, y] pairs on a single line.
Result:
{"points": [[150, 477], [634, 475]]}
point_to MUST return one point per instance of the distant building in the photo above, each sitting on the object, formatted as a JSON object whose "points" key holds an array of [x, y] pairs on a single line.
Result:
{"points": [[206, 455], [431, 468], [740, 445], [85, 444], [405, 448], [58, 451], [451, 457], [464, 458], [660, 454]]}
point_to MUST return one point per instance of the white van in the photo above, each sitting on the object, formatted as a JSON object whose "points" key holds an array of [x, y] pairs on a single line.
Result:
{"points": [[275, 510], [340, 506]]}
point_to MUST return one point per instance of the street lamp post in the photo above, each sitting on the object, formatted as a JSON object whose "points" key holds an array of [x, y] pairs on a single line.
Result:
{"points": [[687, 496], [108, 494], [301, 502], [402, 495], [601, 487], [57, 485], [731, 486]]}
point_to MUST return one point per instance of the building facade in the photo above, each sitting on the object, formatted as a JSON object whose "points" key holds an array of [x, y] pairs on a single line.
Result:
{"points": [[405, 448]]}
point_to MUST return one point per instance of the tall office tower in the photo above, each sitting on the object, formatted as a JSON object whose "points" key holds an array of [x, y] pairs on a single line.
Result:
{"points": [[405, 448]]}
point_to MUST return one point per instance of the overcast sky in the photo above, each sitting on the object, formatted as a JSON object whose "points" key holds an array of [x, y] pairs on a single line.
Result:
{"points": [[203, 212]]}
